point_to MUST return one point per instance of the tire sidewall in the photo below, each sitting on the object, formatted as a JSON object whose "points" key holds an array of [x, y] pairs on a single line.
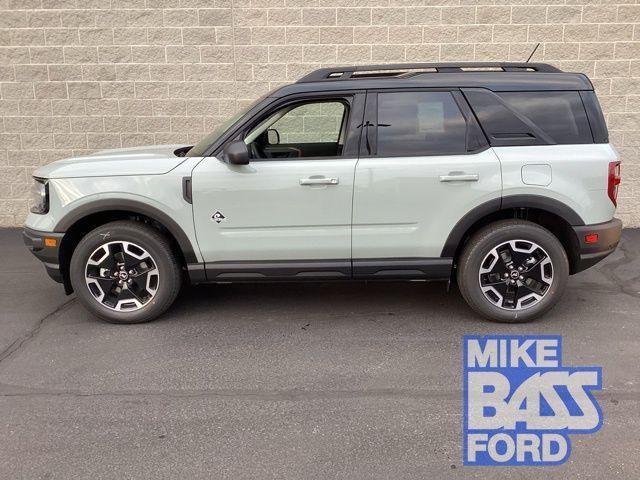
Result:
{"points": [[147, 239], [484, 242]]}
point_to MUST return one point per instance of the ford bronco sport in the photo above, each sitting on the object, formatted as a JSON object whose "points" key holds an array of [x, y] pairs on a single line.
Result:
{"points": [[498, 176]]}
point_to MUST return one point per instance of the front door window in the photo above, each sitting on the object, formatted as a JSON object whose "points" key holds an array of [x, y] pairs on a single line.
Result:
{"points": [[301, 130]]}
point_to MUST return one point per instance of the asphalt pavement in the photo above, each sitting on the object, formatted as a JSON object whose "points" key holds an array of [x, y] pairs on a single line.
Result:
{"points": [[300, 381]]}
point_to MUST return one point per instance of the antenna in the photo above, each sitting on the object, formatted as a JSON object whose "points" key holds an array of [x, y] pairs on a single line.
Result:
{"points": [[532, 53]]}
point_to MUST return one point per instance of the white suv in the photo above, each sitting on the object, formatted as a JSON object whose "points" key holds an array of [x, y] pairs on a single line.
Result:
{"points": [[497, 176]]}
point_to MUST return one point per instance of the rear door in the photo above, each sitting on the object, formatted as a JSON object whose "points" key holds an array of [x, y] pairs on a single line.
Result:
{"points": [[424, 164]]}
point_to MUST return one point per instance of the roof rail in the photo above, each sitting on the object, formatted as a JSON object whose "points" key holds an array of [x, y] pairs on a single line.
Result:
{"points": [[405, 69]]}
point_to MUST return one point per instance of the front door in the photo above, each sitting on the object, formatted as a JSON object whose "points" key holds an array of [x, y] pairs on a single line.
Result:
{"points": [[424, 164], [287, 213]]}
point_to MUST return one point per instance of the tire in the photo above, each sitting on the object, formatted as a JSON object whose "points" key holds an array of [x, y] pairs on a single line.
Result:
{"points": [[495, 252], [151, 272]]}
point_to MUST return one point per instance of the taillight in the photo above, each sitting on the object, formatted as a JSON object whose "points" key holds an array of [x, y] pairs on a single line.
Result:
{"points": [[614, 181]]}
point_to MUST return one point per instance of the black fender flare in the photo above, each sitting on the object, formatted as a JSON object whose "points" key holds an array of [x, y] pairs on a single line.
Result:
{"points": [[539, 202], [125, 205]]}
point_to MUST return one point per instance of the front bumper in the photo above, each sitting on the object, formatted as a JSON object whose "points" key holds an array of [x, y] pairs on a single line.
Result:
{"points": [[588, 254], [46, 252]]}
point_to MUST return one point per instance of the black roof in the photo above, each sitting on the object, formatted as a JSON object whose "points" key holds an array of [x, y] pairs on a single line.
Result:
{"points": [[499, 77]]}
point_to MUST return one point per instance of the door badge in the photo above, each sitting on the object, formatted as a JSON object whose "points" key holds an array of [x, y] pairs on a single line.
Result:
{"points": [[218, 217]]}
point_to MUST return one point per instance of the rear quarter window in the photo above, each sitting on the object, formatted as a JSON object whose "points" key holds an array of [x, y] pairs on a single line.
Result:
{"points": [[561, 115], [530, 118]]}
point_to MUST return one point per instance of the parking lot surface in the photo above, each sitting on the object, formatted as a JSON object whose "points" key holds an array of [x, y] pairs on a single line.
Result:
{"points": [[333, 380]]}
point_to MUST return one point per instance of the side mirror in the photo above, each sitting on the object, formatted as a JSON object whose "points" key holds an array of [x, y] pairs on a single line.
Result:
{"points": [[273, 136], [237, 153]]}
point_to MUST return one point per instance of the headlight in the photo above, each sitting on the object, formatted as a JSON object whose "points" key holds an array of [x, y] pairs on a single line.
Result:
{"points": [[40, 196]]}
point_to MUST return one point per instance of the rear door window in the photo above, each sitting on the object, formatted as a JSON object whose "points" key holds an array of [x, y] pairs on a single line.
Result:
{"points": [[419, 123]]}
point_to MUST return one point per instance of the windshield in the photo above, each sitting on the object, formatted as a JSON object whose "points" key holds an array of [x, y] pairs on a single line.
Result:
{"points": [[201, 147]]}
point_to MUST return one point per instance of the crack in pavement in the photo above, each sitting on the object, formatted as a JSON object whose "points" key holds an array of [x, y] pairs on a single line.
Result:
{"points": [[279, 395], [20, 342], [608, 270], [287, 395]]}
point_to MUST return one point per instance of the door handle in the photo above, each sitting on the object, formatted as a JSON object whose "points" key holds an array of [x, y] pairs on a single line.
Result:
{"points": [[460, 177], [319, 181]]}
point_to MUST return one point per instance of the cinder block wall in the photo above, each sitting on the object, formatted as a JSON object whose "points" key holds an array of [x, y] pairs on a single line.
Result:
{"points": [[81, 75]]}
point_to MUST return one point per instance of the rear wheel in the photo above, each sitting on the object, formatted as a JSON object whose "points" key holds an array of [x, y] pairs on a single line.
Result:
{"points": [[125, 272], [512, 271]]}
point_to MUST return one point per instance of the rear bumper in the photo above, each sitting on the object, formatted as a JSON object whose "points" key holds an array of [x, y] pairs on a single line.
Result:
{"points": [[47, 254], [588, 254]]}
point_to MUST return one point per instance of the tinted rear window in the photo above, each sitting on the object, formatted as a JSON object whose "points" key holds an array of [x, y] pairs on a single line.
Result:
{"points": [[420, 123], [560, 115]]}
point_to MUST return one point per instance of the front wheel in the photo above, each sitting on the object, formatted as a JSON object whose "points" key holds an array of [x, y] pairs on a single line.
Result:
{"points": [[512, 271], [125, 272]]}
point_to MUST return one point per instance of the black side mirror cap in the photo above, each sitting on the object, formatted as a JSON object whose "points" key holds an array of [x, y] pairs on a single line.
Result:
{"points": [[237, 153]]}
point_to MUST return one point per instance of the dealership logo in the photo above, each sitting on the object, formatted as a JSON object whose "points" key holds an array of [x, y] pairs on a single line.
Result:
{"points": [[521, 404]]}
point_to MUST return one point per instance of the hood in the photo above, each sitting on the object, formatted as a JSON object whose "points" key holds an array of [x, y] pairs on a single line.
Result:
{"points": [[151, 160]]}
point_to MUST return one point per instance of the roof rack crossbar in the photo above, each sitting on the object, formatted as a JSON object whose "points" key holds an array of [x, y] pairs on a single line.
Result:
{"points": [[347, 72]]}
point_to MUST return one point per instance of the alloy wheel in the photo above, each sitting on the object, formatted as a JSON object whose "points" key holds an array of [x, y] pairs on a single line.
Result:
{"points": [[516, 274], [122, 276]]}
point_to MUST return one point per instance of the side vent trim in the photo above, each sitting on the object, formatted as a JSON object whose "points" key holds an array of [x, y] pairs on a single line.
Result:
{"points": [[186, 189]]}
